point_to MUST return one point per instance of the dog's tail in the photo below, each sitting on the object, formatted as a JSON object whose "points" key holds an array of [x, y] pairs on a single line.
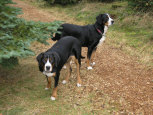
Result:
{"points": [[57, 35]]}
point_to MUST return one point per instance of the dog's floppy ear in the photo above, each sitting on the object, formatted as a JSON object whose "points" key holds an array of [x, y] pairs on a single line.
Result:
{"points": [[56, 58], [99, 18], [39, 59]]}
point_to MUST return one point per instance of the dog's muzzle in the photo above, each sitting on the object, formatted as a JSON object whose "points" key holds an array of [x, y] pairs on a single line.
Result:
{"points": [[47, 68]]}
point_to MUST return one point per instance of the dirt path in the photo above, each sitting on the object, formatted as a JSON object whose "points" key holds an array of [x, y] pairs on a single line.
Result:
{"points": [[117, 74]]}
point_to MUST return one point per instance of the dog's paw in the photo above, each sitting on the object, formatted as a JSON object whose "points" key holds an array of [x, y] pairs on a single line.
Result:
{"points": [[46, 88], [89, 68], [52, 98], [71, 62], [93, 63], [64, 81], [64, 67], [78, 85]]}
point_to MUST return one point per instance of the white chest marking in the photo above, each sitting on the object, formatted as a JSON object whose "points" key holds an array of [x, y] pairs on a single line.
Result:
{"points": [[103, 36], [109, 20], [49, 74]]}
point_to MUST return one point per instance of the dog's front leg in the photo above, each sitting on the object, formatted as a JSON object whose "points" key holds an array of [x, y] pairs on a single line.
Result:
{"points": [[54, 93], [90, 55], [48, 83]]}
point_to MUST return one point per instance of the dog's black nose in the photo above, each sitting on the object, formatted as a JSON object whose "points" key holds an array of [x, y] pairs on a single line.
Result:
{"points": [[47, 67], [112, 21]]}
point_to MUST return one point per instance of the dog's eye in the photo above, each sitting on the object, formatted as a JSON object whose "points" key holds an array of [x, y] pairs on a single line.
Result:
{"points": [[50, 59], [45, 59]]}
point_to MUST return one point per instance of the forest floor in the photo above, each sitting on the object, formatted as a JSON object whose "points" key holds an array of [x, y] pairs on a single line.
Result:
{"points": [[118, 83]]}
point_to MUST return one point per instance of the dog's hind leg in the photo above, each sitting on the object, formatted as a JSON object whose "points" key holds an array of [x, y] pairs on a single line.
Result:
{"points": [[77, 60], [69, 70], [78, 73]]}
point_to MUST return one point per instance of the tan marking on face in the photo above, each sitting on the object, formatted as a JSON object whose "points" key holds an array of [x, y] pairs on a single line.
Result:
{"points": [[50, 59], [106, 24], [46, 59]]}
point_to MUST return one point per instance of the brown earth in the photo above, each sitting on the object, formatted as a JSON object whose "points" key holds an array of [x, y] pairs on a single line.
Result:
{"points": [[116, 74]]}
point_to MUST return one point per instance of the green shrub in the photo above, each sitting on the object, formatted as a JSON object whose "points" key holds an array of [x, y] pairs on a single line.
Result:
{"points": [[102, 0], [106, 0], [62, 2], [17, 34], [141, 5]]}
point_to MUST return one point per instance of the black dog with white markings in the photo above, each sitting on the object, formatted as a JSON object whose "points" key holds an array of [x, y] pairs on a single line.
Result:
{"points": [[90, 35], [52, 61]]}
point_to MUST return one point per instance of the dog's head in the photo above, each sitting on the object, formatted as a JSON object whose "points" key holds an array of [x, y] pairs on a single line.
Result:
{"points": [[47, 61], [104, 19]]}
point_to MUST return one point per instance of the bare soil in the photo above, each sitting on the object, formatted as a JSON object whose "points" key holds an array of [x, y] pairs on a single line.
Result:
{"points": [[116, 74]]}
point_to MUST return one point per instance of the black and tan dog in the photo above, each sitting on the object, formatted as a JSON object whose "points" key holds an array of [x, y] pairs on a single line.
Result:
{"points": [[52, 61], [90, 35]]}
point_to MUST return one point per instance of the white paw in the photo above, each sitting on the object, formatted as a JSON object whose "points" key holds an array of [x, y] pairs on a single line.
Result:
{"points": [[78, 85], [64, 67], [46, 88], [71, 62], [89, 68], [53, 98], [64, 81], [93, 63]]}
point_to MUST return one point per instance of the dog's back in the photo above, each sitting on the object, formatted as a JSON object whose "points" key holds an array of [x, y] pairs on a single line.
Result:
{"points": [[68, 29], [83, 33], [67, 46]]}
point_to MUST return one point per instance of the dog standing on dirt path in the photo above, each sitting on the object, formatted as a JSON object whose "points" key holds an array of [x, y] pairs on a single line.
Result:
{"points": [[52, 61], [90, 35]]}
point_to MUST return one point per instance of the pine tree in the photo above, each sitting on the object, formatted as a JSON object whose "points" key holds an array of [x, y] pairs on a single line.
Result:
{"points": [[17, 34]]}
